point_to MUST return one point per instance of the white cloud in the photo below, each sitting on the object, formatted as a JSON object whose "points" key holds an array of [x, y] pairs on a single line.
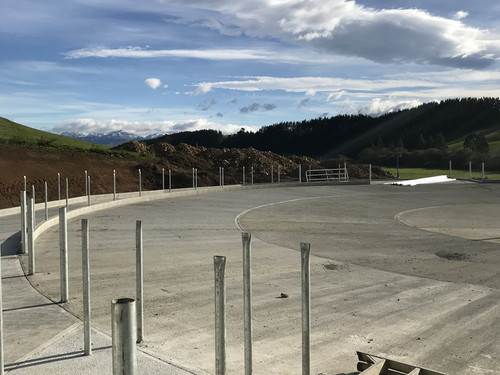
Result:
{"points": [[460, 15], [154, 83], [379, 106], [142, 128]]}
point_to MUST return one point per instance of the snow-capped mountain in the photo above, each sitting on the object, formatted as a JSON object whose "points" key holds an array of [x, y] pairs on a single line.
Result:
{"points": [[109, 139]]}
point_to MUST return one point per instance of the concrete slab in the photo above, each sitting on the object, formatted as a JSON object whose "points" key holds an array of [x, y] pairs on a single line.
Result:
{"points": [[378, 285]]}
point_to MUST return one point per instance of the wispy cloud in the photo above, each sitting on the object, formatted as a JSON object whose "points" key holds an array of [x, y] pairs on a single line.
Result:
{"points": [[257, 106]]}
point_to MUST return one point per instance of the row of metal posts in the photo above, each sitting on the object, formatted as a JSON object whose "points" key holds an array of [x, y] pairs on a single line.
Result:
{"points": [[470, 170], [220, 308]]}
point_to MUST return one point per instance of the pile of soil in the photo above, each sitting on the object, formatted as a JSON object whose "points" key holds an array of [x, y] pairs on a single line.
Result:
{"points": [[41, 165]]}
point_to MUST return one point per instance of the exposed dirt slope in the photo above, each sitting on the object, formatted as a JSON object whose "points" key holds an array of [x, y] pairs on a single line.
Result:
{"points": [[43, 164]]}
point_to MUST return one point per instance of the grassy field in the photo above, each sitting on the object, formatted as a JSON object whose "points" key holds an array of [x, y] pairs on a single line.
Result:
{"points": [[413, 173], [14, 133]]}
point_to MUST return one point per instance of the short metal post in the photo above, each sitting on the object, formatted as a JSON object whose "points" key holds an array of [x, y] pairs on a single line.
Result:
{"points": [[46, 202], [220, 315], [63, 256], [272, 174], [86, 185], [243, 175], [169, 181], [251, 174], [196, 178], [1, 321], [140, 183], [370, 173], [163, 179], [31, 238], [67, 196], [450, 170], [279, 174], [114, 185], [193, 179], [123, 332], [306, 309], [34, 205], [58, 187], [86, 287], [470, 170], [397, 166], [139, 280], [24, 183], [247, 301], [88, 190], [24, 224], [300, 173], [222, 176], [482, 171]]}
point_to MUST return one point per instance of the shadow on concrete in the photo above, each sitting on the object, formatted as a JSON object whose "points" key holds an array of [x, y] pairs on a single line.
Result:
{"points": [[49, 359], [11, 246]]}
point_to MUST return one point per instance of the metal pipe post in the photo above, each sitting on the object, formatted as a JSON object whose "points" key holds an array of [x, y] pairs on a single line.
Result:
{"points": [[24, 183], [370, 173], [140, 183], [251, 173], [63, 256], [300, 173], [163, 179], [86, 287], [243, 175], [86, 186], [220, 315], [482, 171], [169, 181], [123, 332], [24, 223], [114, 185], [58, 187], [196, 178], [67, 196], [46, 202], [139, 280], [247, 301], [222, 176], [88, 190], [272, 174], [470, 170], [34, 205], [31, 238], [279, 173], [193, 179], [450, 170], [306, 309]]}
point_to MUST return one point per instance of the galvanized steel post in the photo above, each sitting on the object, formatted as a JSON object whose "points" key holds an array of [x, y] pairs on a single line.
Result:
{"points": [[140, 183], [306, 309], [450, 170], [58, 187], [272, 173], [300, 173], [169, 181], [114, 185], [86, 186], [63, 255], [24, 228], [46, 202], [163, 179], [24, 183], [222, 176], [193, 179], [67, 196], [31, 238], [196, 178], [88, 191], [220, 315], [470, 170], [482, 171], [123, 332], [279, 174], [243, 175], [370, 173], [247, 301], [86, 287], [251, 172], [34, 204], [139, 279]]}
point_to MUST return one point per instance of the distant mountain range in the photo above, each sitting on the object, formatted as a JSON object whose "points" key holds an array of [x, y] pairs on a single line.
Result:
{"points": [[109, 139]]}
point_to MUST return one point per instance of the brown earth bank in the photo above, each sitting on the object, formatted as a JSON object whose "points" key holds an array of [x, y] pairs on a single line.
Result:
{"points": [[41, 165]]}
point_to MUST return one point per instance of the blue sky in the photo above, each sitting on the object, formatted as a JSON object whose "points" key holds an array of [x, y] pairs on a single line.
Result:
{"points": [[162, 66]]}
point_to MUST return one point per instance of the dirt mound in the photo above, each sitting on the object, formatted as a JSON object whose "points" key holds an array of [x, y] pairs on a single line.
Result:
{"points": [[44, 164]]}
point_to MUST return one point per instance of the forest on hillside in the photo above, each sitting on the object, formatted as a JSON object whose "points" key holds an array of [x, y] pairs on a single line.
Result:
{"points": [[424, 132]]}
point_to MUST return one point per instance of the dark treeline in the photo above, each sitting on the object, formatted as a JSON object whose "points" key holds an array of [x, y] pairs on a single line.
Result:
{"points": [[430, 125]]}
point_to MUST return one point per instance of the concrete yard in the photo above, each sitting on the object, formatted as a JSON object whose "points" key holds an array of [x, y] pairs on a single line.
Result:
{"points": [[409, 273]]}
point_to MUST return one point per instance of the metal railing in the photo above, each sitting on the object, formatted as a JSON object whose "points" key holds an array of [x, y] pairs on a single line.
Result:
{"points": [[327, 175]]}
